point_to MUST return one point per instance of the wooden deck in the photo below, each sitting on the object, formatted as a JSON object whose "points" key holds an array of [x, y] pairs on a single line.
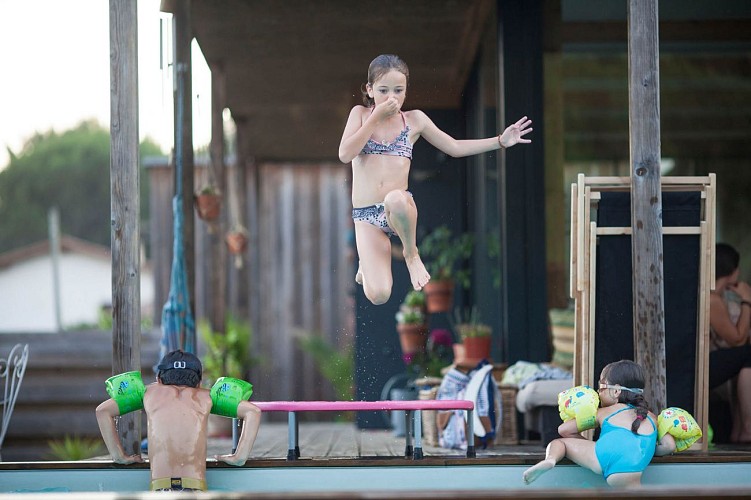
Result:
{"points": [[329, 440], [345, 442]]}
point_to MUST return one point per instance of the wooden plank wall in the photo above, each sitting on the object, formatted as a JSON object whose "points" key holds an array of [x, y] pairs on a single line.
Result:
{"points": [[63, 385], [304, 276], [297, 274]]}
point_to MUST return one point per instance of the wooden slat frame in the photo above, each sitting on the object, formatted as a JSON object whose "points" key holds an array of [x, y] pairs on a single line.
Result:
{"points": [[584, 233]]}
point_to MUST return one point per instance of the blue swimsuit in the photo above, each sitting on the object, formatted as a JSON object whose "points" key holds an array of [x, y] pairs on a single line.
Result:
{"points": [[619, 450]]}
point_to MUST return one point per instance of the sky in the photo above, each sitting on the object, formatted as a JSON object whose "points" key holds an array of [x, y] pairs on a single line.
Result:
{"points": [[54, 58]]}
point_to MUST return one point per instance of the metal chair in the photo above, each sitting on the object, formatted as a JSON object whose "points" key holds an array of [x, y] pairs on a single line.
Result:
{"points": [[12, 370]]}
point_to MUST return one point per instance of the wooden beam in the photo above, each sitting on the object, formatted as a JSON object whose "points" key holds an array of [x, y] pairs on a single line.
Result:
{"points": [[184, 126], [125, 205], [646, 197], [218, 251]]}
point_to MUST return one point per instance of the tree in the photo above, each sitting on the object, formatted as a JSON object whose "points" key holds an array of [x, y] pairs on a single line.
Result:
{"points": [[69, 170]]}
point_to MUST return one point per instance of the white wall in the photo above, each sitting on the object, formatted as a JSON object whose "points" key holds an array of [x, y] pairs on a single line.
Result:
{"points": [[27, 298]]}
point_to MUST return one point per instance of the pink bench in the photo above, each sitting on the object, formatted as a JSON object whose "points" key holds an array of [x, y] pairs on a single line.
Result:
{"points": [[413, 414]]}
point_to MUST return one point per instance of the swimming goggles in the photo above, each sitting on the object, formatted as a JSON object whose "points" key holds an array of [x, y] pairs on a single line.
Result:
{"points": [[616, 386]]}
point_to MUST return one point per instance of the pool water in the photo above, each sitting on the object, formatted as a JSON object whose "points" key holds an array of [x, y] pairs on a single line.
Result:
{"points": [[365, 478]]}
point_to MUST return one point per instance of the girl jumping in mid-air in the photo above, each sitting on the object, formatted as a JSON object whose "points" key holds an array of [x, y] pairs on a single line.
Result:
{"points": [[378, 140], [628, 436]]}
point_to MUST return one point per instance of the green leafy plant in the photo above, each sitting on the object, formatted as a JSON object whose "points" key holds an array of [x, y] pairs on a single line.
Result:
{"points": [[208, 189], [412, 309], [336, 365], [72, 448], [468, 324], [227, 354], [444, 254], [415, 298]]}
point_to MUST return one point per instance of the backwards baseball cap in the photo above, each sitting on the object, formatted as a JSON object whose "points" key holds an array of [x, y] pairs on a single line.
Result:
{"points": [[180, 360]]}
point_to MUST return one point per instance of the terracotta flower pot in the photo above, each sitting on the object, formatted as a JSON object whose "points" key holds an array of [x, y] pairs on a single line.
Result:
{"points": [[439, 296], [236, 241], [477, 347], [208, 206], [412, 337]]}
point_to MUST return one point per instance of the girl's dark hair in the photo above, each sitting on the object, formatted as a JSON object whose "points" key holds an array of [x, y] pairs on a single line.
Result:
{"points": [[626, 373], [726, 261], [379, 67]]}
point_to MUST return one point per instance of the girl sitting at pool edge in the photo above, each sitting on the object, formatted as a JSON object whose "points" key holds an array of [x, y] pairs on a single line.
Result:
{"points": [[378, 140], [628, 437]]}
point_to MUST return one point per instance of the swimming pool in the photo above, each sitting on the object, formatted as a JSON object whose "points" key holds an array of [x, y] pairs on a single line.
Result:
{"points": [[97, 477]]}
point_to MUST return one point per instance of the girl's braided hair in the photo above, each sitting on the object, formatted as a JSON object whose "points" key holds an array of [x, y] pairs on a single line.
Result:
{"points": [[626, 373]]}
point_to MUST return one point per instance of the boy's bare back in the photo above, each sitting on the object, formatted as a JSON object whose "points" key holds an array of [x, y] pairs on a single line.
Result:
{"points": [[177, 428]]}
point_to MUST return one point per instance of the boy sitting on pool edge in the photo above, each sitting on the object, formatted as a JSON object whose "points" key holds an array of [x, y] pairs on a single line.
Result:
{"points": [[177, 412]]}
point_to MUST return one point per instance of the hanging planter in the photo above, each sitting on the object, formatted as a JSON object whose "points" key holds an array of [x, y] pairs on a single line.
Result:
{"points": [[237, 242], [208, 203]]}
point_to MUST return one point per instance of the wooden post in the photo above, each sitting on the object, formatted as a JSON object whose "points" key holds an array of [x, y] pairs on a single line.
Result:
{"points": [[646, 197], [183, 71], [125, 205], [218, 250]]}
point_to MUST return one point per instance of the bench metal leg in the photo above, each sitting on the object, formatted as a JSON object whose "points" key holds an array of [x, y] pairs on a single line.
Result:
{"points": [[417, 427], [293, 450], [297, 438], [408, 433], [471, 434], [236, 430]]}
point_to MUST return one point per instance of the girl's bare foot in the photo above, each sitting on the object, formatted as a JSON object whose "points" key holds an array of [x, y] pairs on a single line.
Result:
{"points": [[531, 474], [417, 272]]}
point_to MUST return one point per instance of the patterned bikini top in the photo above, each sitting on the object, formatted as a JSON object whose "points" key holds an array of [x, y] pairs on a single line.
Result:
{"points": [[398, 147]]}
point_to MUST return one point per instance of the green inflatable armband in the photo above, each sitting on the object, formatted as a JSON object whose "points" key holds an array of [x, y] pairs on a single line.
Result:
{"points": [[227, 394], [127, 390]]}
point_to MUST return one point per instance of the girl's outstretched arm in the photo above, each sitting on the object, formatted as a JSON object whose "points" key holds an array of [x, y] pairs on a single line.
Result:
{"points": [[514, 134]]}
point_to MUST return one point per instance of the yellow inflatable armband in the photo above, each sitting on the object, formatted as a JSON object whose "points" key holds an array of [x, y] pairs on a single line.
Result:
{"points": [[581, 403], [681, 425]]}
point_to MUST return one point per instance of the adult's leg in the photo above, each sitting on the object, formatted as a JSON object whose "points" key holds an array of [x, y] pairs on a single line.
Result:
{"points": [[742, 424], [581, 451], [725, 364], [374, 250], [401, 213]]}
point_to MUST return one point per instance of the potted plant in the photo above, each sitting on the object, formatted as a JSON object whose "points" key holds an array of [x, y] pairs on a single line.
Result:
{"points": [[411, 323], [444, 254], [227, 355], [237, 242], [208, 202], [476, 337]]}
